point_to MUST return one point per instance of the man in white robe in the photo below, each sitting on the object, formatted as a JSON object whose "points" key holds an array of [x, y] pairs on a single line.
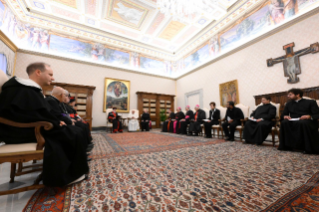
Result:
{"points": [[133, 124]]}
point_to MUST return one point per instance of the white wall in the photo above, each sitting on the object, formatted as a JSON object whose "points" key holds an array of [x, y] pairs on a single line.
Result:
{"points": [[249, 67], [85, 74]]}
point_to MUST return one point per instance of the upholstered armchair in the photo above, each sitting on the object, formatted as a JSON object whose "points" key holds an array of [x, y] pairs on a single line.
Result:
{"points": [[137, 114], [109, 125], [240, 128], [219, 127], [202, 125], [274, 129]]}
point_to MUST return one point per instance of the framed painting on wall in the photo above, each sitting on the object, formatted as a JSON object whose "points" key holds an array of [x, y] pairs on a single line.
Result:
{"points": [[117, 94], [228, 91], [8, 53]]}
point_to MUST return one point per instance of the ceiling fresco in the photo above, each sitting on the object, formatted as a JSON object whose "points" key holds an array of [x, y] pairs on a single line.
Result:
{"points": [[132, 34]]}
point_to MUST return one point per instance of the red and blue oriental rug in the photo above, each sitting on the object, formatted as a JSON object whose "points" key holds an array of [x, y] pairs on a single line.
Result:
{"points": [[163, 172]]}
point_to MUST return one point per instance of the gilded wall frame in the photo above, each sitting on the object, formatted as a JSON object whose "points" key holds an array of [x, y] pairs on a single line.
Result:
{"points": [[117, 94], [228, 91]]}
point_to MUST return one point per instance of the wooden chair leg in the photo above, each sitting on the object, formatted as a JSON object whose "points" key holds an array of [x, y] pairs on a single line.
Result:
{"points": [[240, 135], [13, 172], [20, 167], [273, 137]]}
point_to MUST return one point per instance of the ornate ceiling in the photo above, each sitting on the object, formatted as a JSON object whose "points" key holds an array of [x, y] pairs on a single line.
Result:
{"points": [[133, 35], [135, 22]]}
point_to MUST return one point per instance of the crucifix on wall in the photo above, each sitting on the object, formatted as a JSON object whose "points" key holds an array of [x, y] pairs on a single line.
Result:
{"points": [[291, 60]]}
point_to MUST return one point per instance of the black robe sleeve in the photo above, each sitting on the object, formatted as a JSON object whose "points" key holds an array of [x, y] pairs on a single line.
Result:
{"points": [[180, 115], [55, 109], [271, 113], [216, 115], [285, 112], [145, 117], [314, 110], [190, 114], [238, 114]]}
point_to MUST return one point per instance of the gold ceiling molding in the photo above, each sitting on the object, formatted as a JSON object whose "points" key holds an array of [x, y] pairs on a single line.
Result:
{"points": [[8, 42]]}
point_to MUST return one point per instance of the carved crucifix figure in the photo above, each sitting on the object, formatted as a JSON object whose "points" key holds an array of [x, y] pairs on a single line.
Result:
{"points": [[291, 60]]}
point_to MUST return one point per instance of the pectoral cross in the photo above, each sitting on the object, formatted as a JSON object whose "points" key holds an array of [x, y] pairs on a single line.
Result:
{"points": [[291, 60]]}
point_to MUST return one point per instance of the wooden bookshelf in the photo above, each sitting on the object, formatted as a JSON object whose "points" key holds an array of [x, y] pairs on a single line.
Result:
{"points": [[154, 102]]}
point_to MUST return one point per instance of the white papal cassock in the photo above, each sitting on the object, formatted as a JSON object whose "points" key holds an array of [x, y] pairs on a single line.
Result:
{"points": [[133, 124]]}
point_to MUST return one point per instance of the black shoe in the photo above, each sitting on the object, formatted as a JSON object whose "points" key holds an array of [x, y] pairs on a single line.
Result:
{"points": [[209, 137], [246, 142], [226, 138], [189, 134], [306, 153], [196, 134]]}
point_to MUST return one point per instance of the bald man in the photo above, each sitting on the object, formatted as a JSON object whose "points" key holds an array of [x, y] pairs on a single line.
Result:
{"points": [[22, 100], [194, 126]]}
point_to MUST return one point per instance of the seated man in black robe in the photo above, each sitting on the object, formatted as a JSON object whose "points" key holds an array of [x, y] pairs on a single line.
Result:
{"points": [[55, 101], [182, 129], [232, 119], [70, 112], [214, 116], [194, 126], [168, 124], [145, 121], [22, 100], [114, 118], [299, 124], [178, 116], [258, 127]]}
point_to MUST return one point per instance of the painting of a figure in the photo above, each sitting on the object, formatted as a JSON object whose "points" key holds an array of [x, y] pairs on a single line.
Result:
{"points": [[117, 94], [152, 66], [70, 47], [115, 57], [199, 57], [7, 59], [228, 92]]}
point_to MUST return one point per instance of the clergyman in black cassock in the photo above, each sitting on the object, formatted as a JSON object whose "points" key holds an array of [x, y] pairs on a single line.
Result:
{"points": [[299, 134], [232, 119], [55, 102], [168, 124], [113, 117], [22, 100], [199, 116], [145, 119], [257, 129], [71, 112], [214, 116], [178, 116], [182, 129]]}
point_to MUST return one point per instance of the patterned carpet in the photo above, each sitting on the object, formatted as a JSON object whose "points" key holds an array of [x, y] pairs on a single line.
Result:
{"points": [[225, 176], [121, 144]]}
